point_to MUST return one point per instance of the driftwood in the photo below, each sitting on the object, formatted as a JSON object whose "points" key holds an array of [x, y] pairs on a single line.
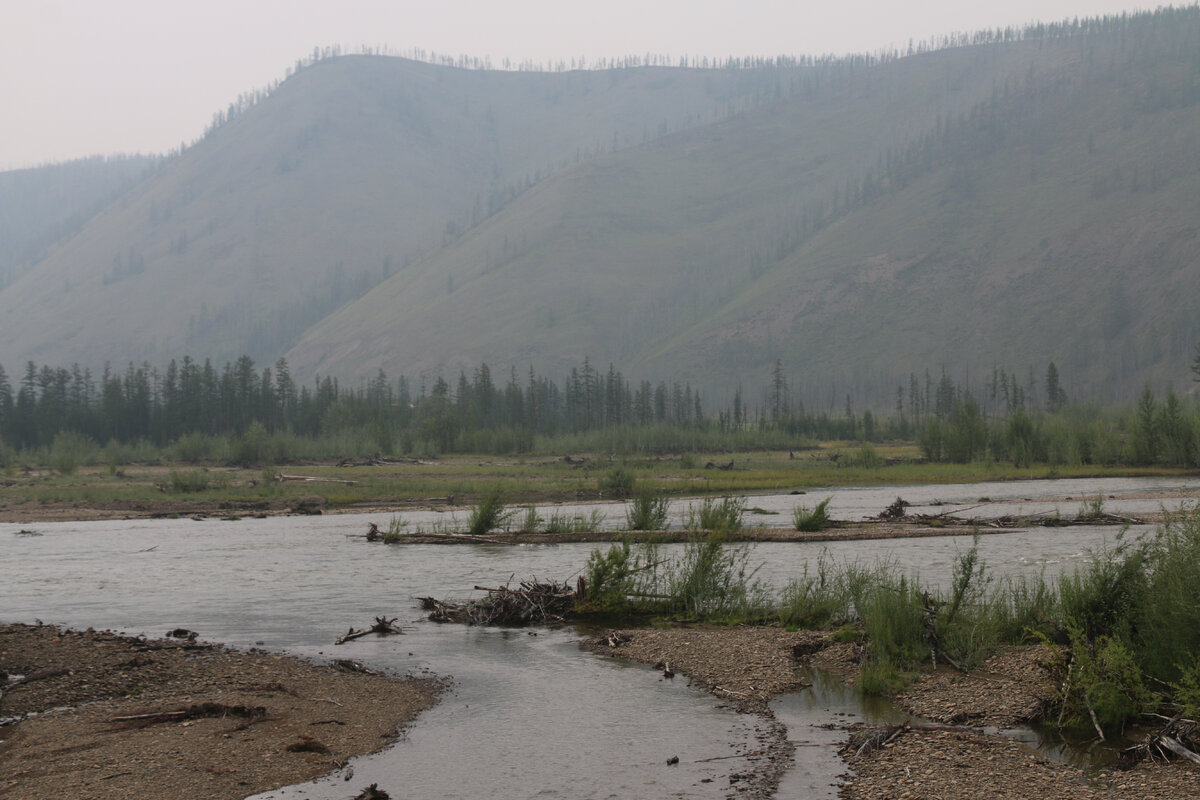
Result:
{"points": [[1170, 738], [379, 462], [467, 537], [307, 744], [311, 479], [616, 638], [154, 716], [895, 511], [383, 626], [866, 741], [531, 603]]}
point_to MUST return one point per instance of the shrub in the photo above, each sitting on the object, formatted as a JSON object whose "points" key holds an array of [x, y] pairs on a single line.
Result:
{"points": [[188, 481], [866, 457], [831, 596], [813, 520], [488, 515], [647, 512], [894, 619], [882, 680], [561, 522], [713, 579], [1108, 683], [397, 530], [1091, 509], [617, 482], [254, 447], [531, 520], [69, 450], [610, 577], [968, 622], [192, 448], [722, 517]]}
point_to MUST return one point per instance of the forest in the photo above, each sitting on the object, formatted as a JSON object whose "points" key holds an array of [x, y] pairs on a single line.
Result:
{"points": [[193, 411]]}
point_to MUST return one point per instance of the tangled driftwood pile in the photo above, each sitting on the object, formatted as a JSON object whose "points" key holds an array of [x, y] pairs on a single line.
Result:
{"points": [[1179, 736], [531, 603]]}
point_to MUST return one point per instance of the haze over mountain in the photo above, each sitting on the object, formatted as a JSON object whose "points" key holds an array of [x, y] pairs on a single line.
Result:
{"points": [[1026, 197]]}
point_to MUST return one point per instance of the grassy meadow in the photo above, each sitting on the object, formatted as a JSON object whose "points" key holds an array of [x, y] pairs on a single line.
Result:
{"points": [[161, 486]]}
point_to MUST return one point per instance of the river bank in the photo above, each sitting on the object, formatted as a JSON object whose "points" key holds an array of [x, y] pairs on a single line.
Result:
{"points": [[106, 717], [30, 494], [962, 756]]}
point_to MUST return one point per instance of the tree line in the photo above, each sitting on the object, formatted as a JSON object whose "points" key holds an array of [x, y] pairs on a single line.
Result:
{"points": [[191, 402], [192, 397]]}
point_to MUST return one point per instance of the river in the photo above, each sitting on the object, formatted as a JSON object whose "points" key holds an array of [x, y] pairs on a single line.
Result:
{"points": [[529, 714]]}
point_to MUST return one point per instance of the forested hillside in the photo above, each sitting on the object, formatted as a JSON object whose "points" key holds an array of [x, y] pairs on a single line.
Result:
{"points": [[45, 205], [347, 173], [1010, 199]]}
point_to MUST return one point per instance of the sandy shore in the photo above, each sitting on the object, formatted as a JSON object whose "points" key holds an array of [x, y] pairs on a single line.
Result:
{"points": [[750, 665], [108, 717]]}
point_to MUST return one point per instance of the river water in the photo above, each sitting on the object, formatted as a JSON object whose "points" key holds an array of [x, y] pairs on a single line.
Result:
{"points": [[529, 714]]}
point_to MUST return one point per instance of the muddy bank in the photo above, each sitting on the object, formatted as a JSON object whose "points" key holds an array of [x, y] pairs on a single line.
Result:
{"points": [[115, 717], [750, 665]]}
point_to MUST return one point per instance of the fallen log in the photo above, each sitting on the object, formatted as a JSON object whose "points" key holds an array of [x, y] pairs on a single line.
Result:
{"points": [[383, 626], [1174, 745], [154, 716], [1169, 738], [312, 479]]}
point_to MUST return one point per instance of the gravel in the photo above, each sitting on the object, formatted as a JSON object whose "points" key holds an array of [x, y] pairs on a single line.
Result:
{"points": [[312, 719]]}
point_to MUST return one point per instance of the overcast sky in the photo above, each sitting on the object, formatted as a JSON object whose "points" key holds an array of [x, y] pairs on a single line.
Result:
{"points": [[80, 77]]}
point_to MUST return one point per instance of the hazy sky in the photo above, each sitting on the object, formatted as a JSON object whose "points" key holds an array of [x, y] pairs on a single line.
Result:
{"points": [[79, 77]]}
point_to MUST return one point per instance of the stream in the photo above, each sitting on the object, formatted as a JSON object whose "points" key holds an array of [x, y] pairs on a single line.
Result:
{"points": [[528, 713]]}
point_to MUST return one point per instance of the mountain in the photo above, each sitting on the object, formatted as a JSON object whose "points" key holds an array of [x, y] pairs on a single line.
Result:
{"points": [[351, 170], [1017, 198], [44, 205]]}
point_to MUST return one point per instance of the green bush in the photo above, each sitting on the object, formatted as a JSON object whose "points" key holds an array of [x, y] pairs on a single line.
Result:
{"points": [[866, 457], [562, 522], [192, 448], [530, 520], [722, 517], [894, 619], [829, 597], [610, 577], [812, 520], [647, 512], [618, 482], [488, 515], [397, 530], [880, 679], [1108, 683], [188, 481], [713, 579], [70, 450], [254, 447]]}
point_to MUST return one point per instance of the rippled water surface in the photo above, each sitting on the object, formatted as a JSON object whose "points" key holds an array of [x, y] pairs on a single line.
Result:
{"points": [[528, 715]]}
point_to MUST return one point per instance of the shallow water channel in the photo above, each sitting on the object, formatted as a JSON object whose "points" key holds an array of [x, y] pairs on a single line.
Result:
{"points": [[528, 714]]}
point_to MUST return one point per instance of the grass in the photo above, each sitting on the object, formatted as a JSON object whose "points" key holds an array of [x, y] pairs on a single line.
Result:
{"points": [[521, 480], [811, 520], [1127, 618]]}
